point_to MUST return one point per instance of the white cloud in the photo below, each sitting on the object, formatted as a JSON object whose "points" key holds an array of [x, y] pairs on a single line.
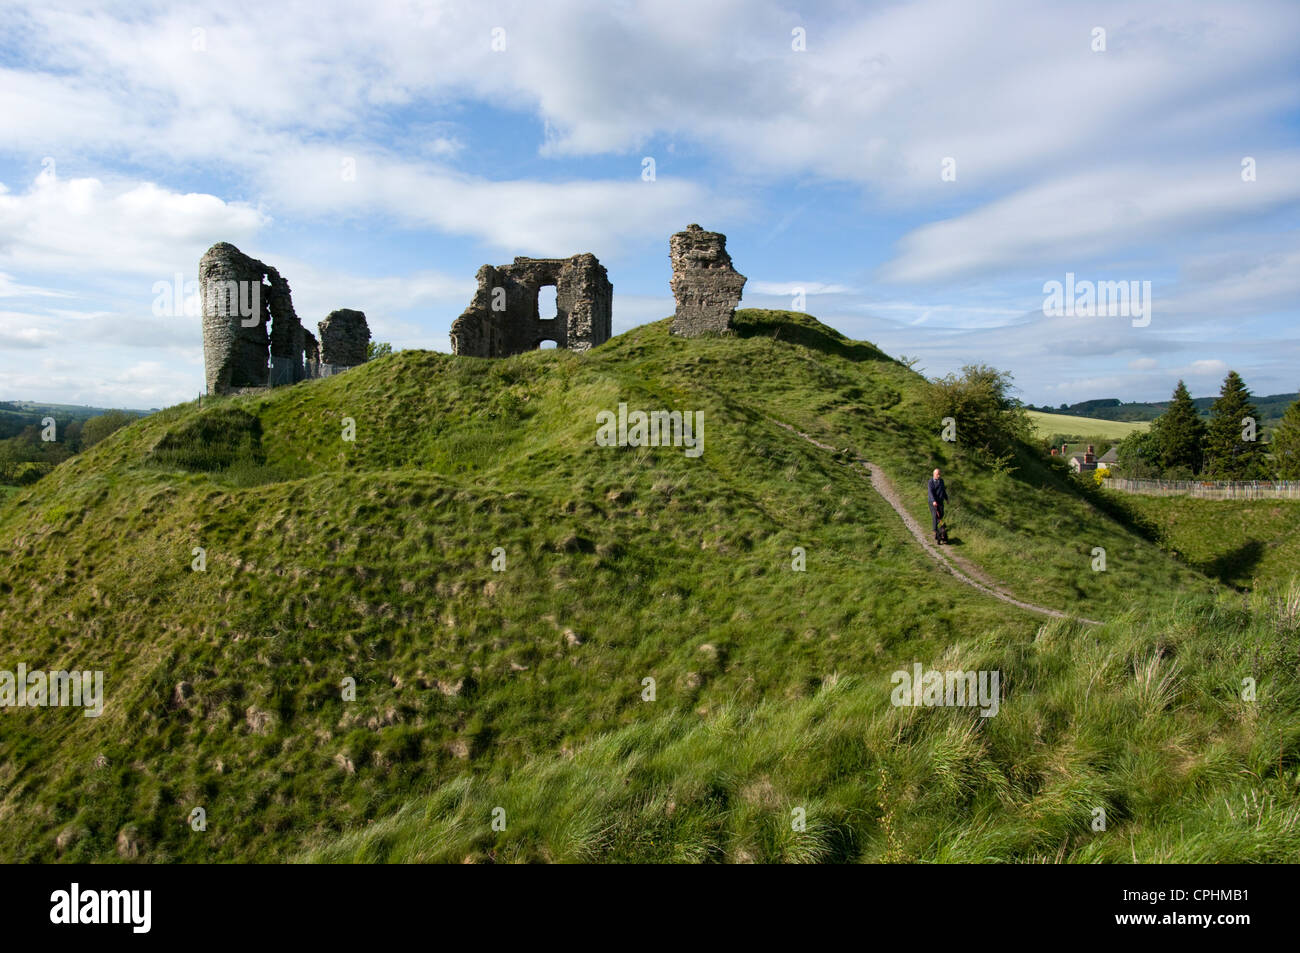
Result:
{"points": [[1253, 279], [12, 289], [103, 379], [24, 331], [319, 290], [879, 98], [79, 226], [1206, 368], [544, 219], [442, 147], [1066, 223]]}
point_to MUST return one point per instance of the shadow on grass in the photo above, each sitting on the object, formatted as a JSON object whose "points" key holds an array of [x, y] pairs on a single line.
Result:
{"points": [[226, 444], [1033, 470], [1234, 568], [1119, 510]]}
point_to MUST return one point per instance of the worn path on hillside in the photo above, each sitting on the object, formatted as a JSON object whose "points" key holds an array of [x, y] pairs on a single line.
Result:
{"points": [[963, 569]]}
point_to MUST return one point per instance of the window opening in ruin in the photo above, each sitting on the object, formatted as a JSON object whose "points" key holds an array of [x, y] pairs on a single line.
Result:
{"points": [[547, 308]]}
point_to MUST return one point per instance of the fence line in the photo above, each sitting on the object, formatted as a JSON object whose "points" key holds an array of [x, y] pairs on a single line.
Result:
{"points": [[1210, 489]]}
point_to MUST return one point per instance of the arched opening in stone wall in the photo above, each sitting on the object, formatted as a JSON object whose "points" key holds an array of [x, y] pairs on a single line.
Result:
{"points": [[548, 314], [547, 308], [547, 346], [565, 300]]}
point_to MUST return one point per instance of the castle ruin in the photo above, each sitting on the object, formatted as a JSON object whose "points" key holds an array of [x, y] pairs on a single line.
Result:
{"points": [[705, 285], [248, 316], [344, 338], [252, 337], [503, 319]]}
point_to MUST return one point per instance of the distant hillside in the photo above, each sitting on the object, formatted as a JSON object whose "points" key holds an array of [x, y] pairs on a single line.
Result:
{"points": [[1271, 408], [1045, 425], [17, 415], [633, 653]]}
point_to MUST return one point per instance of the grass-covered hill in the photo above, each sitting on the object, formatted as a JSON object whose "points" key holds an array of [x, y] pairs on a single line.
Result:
{"points": [[525, 689]]}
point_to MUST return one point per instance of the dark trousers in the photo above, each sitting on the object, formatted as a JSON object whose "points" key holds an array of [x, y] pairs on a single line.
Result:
{"points": [[936, 511]]}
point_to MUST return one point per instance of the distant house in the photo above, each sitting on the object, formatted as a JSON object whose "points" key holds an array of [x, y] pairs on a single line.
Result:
{"points": [[1083, 462], [1108, 459]]}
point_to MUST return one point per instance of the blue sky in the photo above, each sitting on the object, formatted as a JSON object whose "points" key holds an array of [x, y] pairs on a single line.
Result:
{"points": [[130, 141]]}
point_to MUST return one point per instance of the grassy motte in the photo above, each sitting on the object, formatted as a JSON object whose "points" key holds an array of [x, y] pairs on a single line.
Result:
{"points": [[371, 559]]}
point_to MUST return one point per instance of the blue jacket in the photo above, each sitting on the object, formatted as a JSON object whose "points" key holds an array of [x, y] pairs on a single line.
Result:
{"points": [[938, 492]]}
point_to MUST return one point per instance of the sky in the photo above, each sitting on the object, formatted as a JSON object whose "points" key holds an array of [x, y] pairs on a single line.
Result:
{"points": [[912, 174]]}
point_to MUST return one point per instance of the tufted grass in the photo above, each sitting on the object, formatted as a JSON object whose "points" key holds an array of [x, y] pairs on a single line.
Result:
{"points": [[371, 559]]}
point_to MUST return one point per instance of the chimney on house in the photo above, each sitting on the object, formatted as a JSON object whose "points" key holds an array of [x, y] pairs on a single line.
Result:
{"points": [[1088, 455], [1065, 449]]}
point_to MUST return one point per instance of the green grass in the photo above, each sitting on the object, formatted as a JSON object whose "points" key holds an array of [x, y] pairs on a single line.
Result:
{"points": [[371, 559], [1242, 543], [1139, 723], [1047, 424]]}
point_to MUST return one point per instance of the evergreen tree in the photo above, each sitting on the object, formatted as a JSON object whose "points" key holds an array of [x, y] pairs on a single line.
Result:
{"points": [[1286, 444], [1228, 454], [1178, 435]]}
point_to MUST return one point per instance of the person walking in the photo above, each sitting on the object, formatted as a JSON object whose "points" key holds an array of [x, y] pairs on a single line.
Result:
{"points": [[938, 497]]}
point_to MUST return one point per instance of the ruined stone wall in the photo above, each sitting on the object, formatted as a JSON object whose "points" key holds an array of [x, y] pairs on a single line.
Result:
{"points": [[585, 303], [310, 354], [252, 336], [234, 345], [286, 332], [344, 336], [707, 288], [503, 319]]}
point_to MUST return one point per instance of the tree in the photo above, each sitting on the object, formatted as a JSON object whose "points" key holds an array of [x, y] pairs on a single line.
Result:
{"points": [[377, 349], [1286, 444], [72, 435], [1138, 456], [1178, 435], [97, 428], [1232, 450], [986, 416]]}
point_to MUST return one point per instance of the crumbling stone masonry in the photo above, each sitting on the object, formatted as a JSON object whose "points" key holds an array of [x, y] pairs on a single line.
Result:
{"points": [[705, 285], [288, 336], [502, 319], [344, 336], [236, 314], [248, 312]]}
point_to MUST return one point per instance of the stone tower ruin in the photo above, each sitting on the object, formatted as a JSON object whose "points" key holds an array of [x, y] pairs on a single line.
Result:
{"points": [[344, 336], [707, 288], [502, 319], [248, 314]]}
